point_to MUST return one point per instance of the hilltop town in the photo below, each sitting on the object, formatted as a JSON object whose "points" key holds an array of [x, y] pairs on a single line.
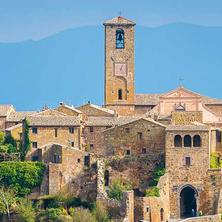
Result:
{"points": [[163, 149]]}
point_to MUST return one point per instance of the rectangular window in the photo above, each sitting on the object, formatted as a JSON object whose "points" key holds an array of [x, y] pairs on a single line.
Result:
{"points": [[71, 130], [34, 130], [87, 161], [144, 151], [78, 160], [91, 146], [128, 152], [34, 144], [218, 136], [56, 132], [127, 130], [72, 144], [91, 129], [139, 136], [187, 161]]}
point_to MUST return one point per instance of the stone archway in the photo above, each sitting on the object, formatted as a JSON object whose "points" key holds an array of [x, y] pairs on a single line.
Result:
{"points": [[188, 202]]}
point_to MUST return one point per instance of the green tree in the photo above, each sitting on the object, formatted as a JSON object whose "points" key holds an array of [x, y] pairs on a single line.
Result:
{"points": [[25, 211], [25, 143], [10, 140], [21, 177]]}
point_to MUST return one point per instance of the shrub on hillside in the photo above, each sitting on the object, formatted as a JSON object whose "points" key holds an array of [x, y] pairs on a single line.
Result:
{"points": [[117, 188], [21, 177], [152, 192]]}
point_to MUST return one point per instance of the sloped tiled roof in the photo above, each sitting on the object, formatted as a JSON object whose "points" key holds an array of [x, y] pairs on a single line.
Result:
{"points": [[5, 109], [100, 108], [18, 116], [14, 127], [147, 99], [119, 20], [191, 127], [71, 108], [54, 121]]}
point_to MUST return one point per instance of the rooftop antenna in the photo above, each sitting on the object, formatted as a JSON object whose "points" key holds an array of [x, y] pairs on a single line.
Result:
{"points": [[120, 13]]}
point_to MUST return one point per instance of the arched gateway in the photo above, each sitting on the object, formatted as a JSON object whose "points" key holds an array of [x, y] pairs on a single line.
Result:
{"points": [[188, 202]]}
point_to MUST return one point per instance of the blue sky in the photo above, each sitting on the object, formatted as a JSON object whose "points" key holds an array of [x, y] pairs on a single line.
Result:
{"points": [[35, 19]]}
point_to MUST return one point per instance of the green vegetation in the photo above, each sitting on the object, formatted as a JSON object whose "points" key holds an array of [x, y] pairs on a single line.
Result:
{"points": [[25, 144], [25, 211], [21, 177], [152, 192], [117, 188], [7, 143], [215, 161], [158, 172]]}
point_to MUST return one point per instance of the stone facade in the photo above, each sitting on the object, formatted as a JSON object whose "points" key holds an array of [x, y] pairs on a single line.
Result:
{"points": [[119, 65]]}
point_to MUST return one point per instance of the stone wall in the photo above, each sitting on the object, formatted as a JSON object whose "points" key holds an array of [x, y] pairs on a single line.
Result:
{"points": [[182, 175], [46, 135], [155, 209], [138, 137], [211, 218], [94, 140]]}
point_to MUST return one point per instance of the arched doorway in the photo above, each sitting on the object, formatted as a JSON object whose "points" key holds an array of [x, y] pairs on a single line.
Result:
{"points": [[188, 202]]}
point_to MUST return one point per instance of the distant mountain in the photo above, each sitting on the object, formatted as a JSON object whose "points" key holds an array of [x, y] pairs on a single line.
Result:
{"points": [[69, 66]]}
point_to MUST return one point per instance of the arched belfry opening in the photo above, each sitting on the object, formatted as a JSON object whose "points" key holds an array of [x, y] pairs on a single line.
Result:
{"points": [[188, 202]]}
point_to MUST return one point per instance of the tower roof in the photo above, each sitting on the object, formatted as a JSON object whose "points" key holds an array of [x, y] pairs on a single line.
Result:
{"points": [[119, 20]]}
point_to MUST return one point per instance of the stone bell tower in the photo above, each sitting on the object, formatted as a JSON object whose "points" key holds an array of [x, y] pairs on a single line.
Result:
{"points": [[119, 65]]}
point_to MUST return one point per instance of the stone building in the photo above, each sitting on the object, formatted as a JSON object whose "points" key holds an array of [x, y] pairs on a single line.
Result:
{"points": [[86, 148]]}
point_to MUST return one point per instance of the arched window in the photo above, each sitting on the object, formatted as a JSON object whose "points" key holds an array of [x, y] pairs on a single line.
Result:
{"points": [[161, 214], [178, 141], [187, 141], [197, 141], [119, 39], [120, 94]]}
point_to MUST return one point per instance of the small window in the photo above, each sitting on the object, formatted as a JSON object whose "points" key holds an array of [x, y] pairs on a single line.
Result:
{"points": [[143, 150], [34, 130], [71, 130], [197, 141], [218, 136], [87, 161], [56, 132], [91, 129], [127, 130], [34, 144], [72, 144], [139, 136], [187, 141], [187, 161], [35, 158], [91, 146], [120, 94], [119, 39], [128, 152], [161, 214], [106, 177], [147, 209], [178, 141], [78, 160]]}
